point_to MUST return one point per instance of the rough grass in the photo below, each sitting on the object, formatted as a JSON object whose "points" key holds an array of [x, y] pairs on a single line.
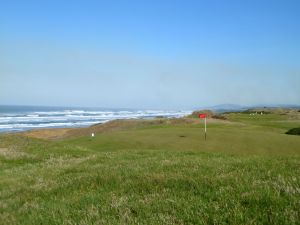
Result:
{"points": [[247, 172]]}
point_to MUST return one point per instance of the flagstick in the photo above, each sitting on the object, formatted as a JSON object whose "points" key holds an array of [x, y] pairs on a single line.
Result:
{"points": [[205, 128]]}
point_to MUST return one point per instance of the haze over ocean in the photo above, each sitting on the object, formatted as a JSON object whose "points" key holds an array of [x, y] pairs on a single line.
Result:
{"points": [[149, 54]]}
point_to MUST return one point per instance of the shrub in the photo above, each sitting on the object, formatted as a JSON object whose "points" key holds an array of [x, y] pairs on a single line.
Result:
{"points": [[219, 117], [294, 131]]}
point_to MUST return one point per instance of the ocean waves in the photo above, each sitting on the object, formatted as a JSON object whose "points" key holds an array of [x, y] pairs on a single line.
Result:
{"points": [[23, 120]]}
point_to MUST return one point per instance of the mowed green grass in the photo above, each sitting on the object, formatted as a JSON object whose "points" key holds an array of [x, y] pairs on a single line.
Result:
{"points": [[246, 172]]}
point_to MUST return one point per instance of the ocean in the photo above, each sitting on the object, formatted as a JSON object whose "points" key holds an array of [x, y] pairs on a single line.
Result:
{"points": [[21, 118]]}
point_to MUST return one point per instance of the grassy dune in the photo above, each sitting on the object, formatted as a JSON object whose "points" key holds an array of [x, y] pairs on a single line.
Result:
{"points": [[154, 172]]}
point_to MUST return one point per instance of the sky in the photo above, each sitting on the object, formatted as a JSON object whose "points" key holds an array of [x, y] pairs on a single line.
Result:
{"points": [[156, 54]]}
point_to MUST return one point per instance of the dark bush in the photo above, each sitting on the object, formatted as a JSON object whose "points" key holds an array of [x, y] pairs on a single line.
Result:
{"points": [[219, 117], [294, 131]]}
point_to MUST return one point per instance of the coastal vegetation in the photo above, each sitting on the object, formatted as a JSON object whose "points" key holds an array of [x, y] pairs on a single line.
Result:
{"points": [[157, 171]]}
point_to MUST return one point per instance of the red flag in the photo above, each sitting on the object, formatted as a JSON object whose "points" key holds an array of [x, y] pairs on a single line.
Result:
{"points": [[202, 116]]}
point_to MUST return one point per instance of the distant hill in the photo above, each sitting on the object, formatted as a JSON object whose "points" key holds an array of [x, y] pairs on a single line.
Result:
{"points": [[236, 108], [224, 108], [227, 107]]}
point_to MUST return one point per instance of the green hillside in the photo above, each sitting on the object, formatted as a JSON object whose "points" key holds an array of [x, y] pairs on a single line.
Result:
{"points": [[158, 171]]}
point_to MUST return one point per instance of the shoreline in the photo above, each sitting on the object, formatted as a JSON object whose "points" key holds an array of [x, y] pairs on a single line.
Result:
{"points": [[112, 125], [19, 120]]}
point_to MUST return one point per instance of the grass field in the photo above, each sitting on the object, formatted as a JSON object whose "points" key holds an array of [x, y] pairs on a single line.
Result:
{"points": [[157, 172]]}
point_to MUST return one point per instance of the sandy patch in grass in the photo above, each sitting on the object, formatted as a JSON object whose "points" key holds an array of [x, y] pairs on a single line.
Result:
{"points": [[52, 133]]}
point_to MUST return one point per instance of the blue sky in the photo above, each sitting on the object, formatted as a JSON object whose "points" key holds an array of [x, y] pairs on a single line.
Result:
{"points": [[149, 54]]}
